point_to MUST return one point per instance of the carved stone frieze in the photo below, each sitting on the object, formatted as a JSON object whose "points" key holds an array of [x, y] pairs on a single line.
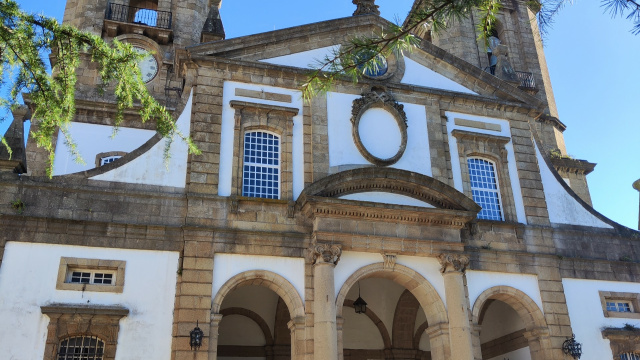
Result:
{"points": [[326, 254], [453, 263]]}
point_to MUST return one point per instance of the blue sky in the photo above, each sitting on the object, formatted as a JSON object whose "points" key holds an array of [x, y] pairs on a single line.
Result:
{"points": [[591, 59]]}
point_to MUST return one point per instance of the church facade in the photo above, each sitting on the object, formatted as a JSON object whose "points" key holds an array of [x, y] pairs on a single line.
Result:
{"points": [[429, 211]]}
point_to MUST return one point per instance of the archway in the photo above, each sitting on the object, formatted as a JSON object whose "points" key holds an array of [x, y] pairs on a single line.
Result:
{"points": [[510, 325], [259, 315], [401, 305]]}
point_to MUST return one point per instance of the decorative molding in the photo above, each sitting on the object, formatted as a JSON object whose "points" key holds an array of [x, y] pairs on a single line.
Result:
{"points": [[622, 341], [389, 260], [264, 107], [326, 254], [453, 263], [378, 97], [474, 136], [573, 166]]}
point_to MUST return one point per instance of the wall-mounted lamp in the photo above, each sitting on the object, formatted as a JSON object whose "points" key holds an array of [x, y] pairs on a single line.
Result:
{"points": [[572, 347], [195, 336], [360, 305]]}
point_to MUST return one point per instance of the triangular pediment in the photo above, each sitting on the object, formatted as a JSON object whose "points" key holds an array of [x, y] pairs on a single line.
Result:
{"points": [[427, 68]]}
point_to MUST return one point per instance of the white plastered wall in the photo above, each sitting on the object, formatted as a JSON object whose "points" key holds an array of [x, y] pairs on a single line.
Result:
{"points": [[305, 59], [343, 150], [351, 261], [587, 316], [228, 133], [150, 168], [479, 281], [91, 140], [386, 198], [562, 207], [226, 266], [416, 74], [504, 131], [28, 281]]}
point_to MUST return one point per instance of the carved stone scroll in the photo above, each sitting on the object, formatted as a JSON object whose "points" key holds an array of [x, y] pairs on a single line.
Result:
{"points": [[453, 262], [326, 253]]}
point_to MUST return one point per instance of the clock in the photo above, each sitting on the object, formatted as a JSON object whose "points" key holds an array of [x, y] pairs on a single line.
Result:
{"points": [[148, 65]]}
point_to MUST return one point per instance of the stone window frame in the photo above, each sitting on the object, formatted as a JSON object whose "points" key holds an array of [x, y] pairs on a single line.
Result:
{"points": [[70, 263], [272, 118], [491, 148], [67, 321], [611, 296], [102, 155]]}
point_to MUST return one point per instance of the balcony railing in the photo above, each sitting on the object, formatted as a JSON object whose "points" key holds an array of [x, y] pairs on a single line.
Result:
{"points": [[134, 15], [527, 81]]}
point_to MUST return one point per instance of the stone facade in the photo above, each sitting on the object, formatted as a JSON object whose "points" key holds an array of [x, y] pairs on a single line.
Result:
{"points": [[278, 278]]}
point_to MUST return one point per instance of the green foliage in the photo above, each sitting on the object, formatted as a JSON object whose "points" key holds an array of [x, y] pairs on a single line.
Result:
{"points": [[18, 206], [25, 39]]}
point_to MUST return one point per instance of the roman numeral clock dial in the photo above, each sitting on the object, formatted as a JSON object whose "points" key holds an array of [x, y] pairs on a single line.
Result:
{"points": [[148, 65]]}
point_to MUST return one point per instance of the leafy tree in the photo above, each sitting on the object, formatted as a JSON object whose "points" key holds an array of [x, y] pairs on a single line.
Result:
{"points": [[26, 40]]}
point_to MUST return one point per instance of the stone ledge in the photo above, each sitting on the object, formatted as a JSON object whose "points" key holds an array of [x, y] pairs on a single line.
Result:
{"points": [[84, 309], [573, 165]]}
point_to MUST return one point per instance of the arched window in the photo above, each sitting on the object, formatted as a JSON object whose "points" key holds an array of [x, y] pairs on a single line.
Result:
{"points": [[629, 356], [485, 188], [81, 348], [261, 169]]}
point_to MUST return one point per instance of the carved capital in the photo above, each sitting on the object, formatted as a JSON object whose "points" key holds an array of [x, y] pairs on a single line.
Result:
{"points": [[453, 263], [326, 254], [389, 260]]}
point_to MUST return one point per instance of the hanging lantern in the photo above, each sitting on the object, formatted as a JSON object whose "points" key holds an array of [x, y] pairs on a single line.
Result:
{"points": [[572, 347], [360, 305], [195, 337]]}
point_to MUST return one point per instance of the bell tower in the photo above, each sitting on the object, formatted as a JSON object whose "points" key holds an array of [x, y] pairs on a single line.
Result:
{"points": [[516, 46]]}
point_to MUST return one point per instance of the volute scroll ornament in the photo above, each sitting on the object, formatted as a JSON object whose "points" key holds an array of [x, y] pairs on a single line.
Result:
{"points": [[326, 254], [453, 263]]}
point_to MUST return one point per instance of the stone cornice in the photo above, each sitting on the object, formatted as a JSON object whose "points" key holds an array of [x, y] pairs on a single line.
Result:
{"points": [[315, 207], [84, 309], [264, 107], [470, 135], [573, 165], [548, 119]]}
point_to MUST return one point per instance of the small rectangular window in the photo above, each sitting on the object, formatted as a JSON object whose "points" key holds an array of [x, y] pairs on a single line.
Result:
{"points": [[85, 276], [620, 305], [109, 159], [78, 274]]}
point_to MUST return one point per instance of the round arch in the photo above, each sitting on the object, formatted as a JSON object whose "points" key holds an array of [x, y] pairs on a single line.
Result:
{"points": [[526, 308], [264, 278], [254, 317], [420, 287]]}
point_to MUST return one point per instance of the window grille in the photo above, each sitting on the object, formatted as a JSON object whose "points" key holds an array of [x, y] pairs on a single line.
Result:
{"points": [[619, 306], [629, 356], [109, 159], [485, 189], [261, 171], [81, 348]]}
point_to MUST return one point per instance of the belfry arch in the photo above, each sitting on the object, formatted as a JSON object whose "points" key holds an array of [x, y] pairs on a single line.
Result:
{"points": [[426, 295]]}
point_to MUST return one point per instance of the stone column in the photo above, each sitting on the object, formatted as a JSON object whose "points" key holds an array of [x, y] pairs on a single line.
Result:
{"points": [[325, 342], [214, 325], [453, 267]]}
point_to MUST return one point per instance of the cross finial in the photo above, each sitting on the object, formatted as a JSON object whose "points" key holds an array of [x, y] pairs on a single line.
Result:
{"points": [[366, 7]]}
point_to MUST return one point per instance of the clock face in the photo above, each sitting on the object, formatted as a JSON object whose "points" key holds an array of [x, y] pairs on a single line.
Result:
{"points": [[148, 65]]}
